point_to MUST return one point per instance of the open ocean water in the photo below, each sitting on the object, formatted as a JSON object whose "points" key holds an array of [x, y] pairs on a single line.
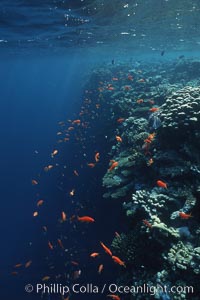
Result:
{"points": [[99, 155]]}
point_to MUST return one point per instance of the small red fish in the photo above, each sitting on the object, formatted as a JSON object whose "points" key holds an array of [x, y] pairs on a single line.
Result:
{"points": [[45, 278], [114, 165], [184, 216], [63, 216], [147, 223], [91, 165], [50, 245], [100, 268], [47, 168], [76, 173], [139, 101], [34, 182], [40, 202], [66, 139], [110, 88], [118, 138], [161, 184], [97, 157], [150, 162], [85, 219], [72, 192], [14, 273], [114, 297], [120, 120], [117, 234], [60, 243], [94, 254], [28, 263], [106, 249], [18, 265], [118, 261], [75, 263], [154, 109], [76, 122], [55, 152], [127, 87]]}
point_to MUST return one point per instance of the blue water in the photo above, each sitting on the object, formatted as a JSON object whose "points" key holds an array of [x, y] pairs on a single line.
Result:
{"points": [[35, 94]]}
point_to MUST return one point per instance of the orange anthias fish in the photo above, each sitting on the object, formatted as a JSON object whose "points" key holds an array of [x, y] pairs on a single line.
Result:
{"points": [[47, 168], [34, 182], [106, 249], [45, 278], [72, 192], [114, 165], [50, 245], [14, 273], [184, 216], [150, 137], [139, 101], [161, 184], [141, 80], [110, 88], [117, 234], [114, 297], [76, 173], [118, 261], [85, 219], [147, 223], [35, 214], [118, 138], [100, 268], [18, 265], [150, 162], [154, 109], [40, 202], [91, 165], [76, 122], [74, 263], [120, 120], [55, 152], [63, 216], [28, 263], [60, 243], [97, 157], [66, 139], [94, 254], [127, 87]]}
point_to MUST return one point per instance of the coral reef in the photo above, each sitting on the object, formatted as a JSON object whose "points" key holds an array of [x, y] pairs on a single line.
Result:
{"points": [[159, 113], [182, 109], [184, 256]]}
